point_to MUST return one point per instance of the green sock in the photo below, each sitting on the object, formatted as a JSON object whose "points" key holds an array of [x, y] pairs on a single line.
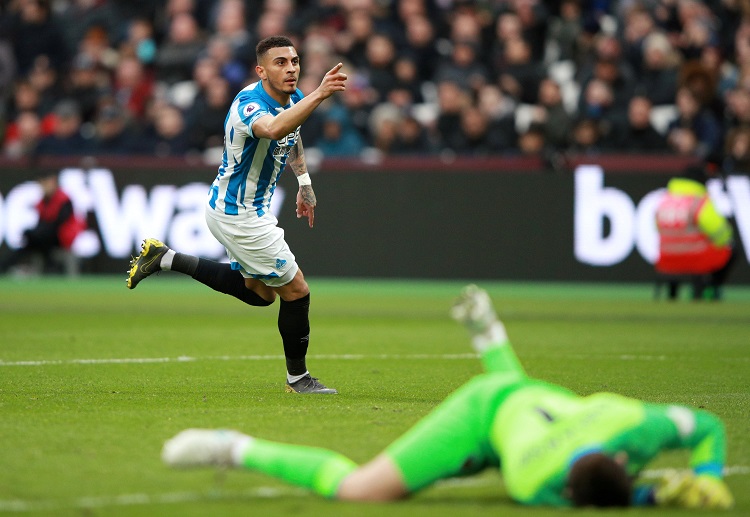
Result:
{"points": [[317, 469], [501, 358]]}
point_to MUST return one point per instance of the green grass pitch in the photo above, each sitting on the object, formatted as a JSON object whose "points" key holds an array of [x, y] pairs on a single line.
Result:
{"points": [[94, 378]]}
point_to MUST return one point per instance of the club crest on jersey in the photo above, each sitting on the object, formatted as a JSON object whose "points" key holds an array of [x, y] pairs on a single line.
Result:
{"points": [[250, 108]]}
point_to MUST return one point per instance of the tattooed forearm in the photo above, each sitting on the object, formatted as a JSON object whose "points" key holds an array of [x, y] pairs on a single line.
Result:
{"points": [[296, 159], [308, 196]]}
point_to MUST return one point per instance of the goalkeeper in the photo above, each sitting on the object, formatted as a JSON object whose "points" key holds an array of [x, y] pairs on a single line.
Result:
{"points": [[552, 446]]}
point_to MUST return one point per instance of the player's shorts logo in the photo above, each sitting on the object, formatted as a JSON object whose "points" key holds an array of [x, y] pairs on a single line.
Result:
{"points": [[280, 263]]}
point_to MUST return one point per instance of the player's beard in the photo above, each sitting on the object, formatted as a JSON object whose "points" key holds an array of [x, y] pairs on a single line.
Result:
{"points": [[285, 88]]}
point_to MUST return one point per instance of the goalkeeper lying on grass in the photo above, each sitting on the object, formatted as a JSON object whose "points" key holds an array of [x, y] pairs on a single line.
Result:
{"points": [[552, 446]]}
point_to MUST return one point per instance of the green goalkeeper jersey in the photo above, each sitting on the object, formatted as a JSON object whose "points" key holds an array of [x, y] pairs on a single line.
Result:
{"points": [[540, 429]]}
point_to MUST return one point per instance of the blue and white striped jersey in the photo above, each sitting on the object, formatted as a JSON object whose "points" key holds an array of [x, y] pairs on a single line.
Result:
{"points": [[251, 166]]}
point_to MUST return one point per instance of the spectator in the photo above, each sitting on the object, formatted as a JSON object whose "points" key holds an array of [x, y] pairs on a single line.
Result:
{"points": [[608, 65], [636, 134], [66, 138], [533, 17], [166, 135], [556, 121], [692, 115], [96, 45], [352, 43], [723, 71], [205, 122], [205, 70], [22, 136], [452, 100], [115, 134], [597, 103], [637, 55], [25, 98], [406, 91], [359, 101], [270, 23], [384, 122], [698, 27], [231, 23], [79, 16], [176, 56], [140, 41], [703, 83], [380, 55], [500, 109], [174, 8], [737, 150], [420, 42], [56, 228], [230, 68], [7, 70], [587, 137], [639, 24], [411, 138], [533, 141], [133, 86], [43, 78], [474, 137], [658, 77], [87, 84], [684, 142], [564, 32], [340, 138], [34, 31], [318, 52], [521, 75], [463, 67], [324, 17], [507, 28]]}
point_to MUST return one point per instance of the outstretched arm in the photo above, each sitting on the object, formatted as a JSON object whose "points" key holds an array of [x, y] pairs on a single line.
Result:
{"points": [[679, 427], [286, 122], [306, 201]]}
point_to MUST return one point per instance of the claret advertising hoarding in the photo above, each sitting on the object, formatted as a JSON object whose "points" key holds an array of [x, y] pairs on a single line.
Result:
{"points": [[446, 222]]}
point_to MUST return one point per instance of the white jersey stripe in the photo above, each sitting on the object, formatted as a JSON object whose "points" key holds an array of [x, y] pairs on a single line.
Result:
{"points": [[250, 166]]}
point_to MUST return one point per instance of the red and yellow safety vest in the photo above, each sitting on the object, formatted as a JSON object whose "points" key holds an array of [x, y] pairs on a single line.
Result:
{"points": [[693, 237]]}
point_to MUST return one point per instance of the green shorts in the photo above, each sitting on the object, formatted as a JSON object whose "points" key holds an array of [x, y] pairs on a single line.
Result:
{"points": [[454, 439]]}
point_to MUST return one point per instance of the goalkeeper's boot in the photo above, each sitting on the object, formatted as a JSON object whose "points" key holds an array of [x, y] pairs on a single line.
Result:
{"points": [[202, 448], [309, 384], [473, 309], [147, 262]]}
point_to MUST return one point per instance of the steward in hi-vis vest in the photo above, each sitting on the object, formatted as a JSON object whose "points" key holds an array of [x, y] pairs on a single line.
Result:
{"points": [[694, 238]]}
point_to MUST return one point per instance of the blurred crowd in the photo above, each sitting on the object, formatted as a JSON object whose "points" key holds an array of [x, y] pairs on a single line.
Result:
{"points": [[447, 77]]}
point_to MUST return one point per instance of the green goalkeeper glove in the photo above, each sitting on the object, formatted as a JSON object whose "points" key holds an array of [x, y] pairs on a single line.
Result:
{"points": [[708, 492], [686, 490]]}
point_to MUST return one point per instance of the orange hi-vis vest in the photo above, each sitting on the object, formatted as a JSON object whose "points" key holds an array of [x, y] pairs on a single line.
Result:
{"points": [[684, 248]]}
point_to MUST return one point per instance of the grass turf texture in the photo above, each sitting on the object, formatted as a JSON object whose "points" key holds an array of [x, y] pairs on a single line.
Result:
{"points": [[83, 437]]}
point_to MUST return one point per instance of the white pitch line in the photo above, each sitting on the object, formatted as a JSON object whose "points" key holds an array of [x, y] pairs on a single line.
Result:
{"points": [[92, 502], [187, 359], [334, 357], [262, 492]]}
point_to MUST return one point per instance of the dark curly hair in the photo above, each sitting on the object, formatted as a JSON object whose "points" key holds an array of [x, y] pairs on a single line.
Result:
{"points": [[598, 480], [267, 44]]}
